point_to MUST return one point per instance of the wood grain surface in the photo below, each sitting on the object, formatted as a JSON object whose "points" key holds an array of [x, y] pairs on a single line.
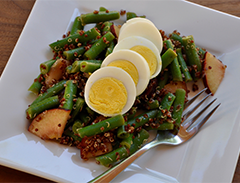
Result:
{"points": [[13, 16]]}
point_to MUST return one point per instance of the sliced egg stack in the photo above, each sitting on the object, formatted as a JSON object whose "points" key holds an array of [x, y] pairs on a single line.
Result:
{"points": [[126, 72]]}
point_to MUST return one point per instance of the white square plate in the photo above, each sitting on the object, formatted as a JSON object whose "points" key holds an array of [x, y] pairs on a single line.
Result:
{"points": [[210, 157]]}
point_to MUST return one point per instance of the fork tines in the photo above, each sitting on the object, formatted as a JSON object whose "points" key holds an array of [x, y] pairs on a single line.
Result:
{"points": [[190, 124]]}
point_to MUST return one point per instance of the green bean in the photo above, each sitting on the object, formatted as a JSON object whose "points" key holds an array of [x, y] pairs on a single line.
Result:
{"points": [[41, 106], [131, 113], [71, 134], [123, 152], [76, 66], [133, 15], [162, 79], [168, 43], [46, 66], [90, 112], [81, 37], [54, 90], [102, 126], [201, 52], [68, 69], [106, 27], [102, 8], [168, 57], [176, 37], [36, 85], [99, 26], [175, 70], [178, 106], [113, 156], [166, 126], [77, 107], [152, 104], [192, 55], [166, 103], [99, 16], [174, 66], [89, 67], [183, 65], [127, 142], [84, 117], [99, 46], [77, 25], [69, 94], [110, 48], [138, 141], [76, 125], [141, 119], [74, 53], [162, 126], [121, 132]]}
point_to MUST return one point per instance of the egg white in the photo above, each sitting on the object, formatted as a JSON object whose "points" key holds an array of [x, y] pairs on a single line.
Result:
{"points": [[144, 28], [137, 60], [118, 74], [129, 42], [136, 19]]}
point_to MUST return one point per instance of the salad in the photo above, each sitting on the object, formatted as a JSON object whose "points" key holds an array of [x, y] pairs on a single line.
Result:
{"points": [[107, 86]]}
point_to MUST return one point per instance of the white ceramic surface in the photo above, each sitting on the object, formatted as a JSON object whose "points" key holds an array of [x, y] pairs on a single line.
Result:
{"points": [[210, 157]]}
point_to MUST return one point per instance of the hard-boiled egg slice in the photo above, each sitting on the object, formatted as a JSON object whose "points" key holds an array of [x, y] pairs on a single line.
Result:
{"points": [[133, 63], [145, 48], [144, 29], [110, 91], [136, 19]]}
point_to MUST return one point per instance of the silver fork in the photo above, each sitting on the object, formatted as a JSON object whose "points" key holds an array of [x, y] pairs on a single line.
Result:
{"points": [[187, 130]]}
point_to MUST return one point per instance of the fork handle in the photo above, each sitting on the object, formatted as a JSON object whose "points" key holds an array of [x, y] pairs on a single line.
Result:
{"points": [[110, 174]]}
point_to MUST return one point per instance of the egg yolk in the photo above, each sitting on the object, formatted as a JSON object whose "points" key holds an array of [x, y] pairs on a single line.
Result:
{"points": [[128, 67], [148, 55], [108, 95]]}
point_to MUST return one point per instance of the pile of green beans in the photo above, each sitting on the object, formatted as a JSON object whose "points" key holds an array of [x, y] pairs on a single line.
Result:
{"points": [[193, 58], [155, 109]]}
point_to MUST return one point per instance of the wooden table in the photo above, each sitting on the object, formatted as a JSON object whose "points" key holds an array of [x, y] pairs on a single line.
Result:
{"points": [[13, 15]]}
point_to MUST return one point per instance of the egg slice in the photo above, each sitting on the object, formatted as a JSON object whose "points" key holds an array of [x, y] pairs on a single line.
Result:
{"points": [[133, 63], [136, 19], [142, 27], [110, 91], [145, 48]]}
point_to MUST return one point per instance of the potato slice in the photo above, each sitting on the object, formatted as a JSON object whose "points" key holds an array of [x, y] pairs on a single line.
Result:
{"points": [[173, 85], [115, 30], [56, 72], [213, 72], [49, 124], [94, 146], [87, 154]]}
